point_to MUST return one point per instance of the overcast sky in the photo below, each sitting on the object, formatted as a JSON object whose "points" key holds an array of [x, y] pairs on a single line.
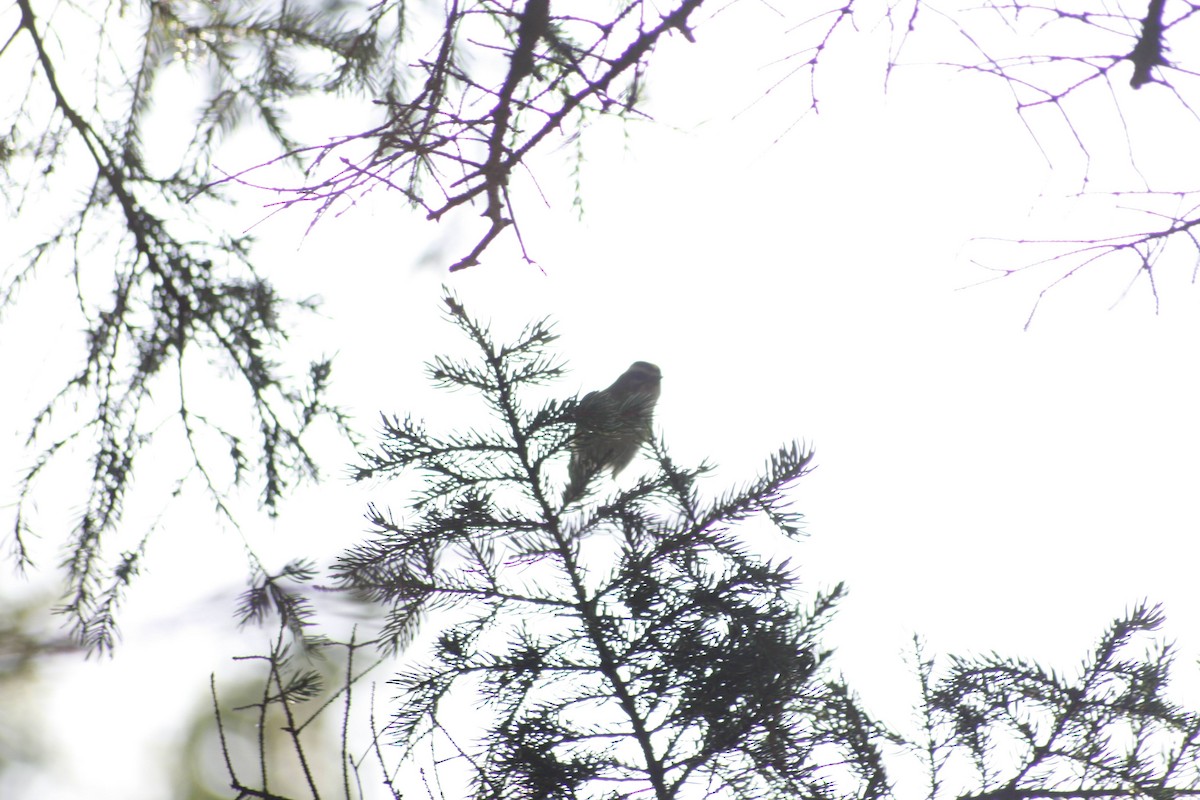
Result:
{"points": [[988, 486]]}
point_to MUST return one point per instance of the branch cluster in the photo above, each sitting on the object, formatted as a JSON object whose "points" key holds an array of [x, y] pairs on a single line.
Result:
{"points": [[497, 80], [184, 303], [1110, 730]]}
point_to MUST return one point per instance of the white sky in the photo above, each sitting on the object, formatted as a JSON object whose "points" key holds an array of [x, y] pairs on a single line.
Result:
{"points": [[986, 486]]}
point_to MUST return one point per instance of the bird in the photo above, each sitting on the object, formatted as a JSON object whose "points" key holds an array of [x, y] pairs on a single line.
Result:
{"points": [[611, 425]]}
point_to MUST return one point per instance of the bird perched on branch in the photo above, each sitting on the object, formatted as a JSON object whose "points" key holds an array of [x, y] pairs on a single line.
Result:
{"points": [[611, 425]]}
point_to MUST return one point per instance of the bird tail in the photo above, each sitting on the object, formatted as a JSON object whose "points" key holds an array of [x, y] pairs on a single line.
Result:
{"points": [[578, 477], [580, 473]]}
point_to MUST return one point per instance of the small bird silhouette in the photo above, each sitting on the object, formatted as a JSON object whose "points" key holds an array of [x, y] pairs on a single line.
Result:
{"points": [[611, 425]]}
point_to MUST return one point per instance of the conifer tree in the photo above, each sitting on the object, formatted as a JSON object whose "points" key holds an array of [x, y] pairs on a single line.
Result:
{"points": [[1008, 728], [648, 640], [642, 643]]}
